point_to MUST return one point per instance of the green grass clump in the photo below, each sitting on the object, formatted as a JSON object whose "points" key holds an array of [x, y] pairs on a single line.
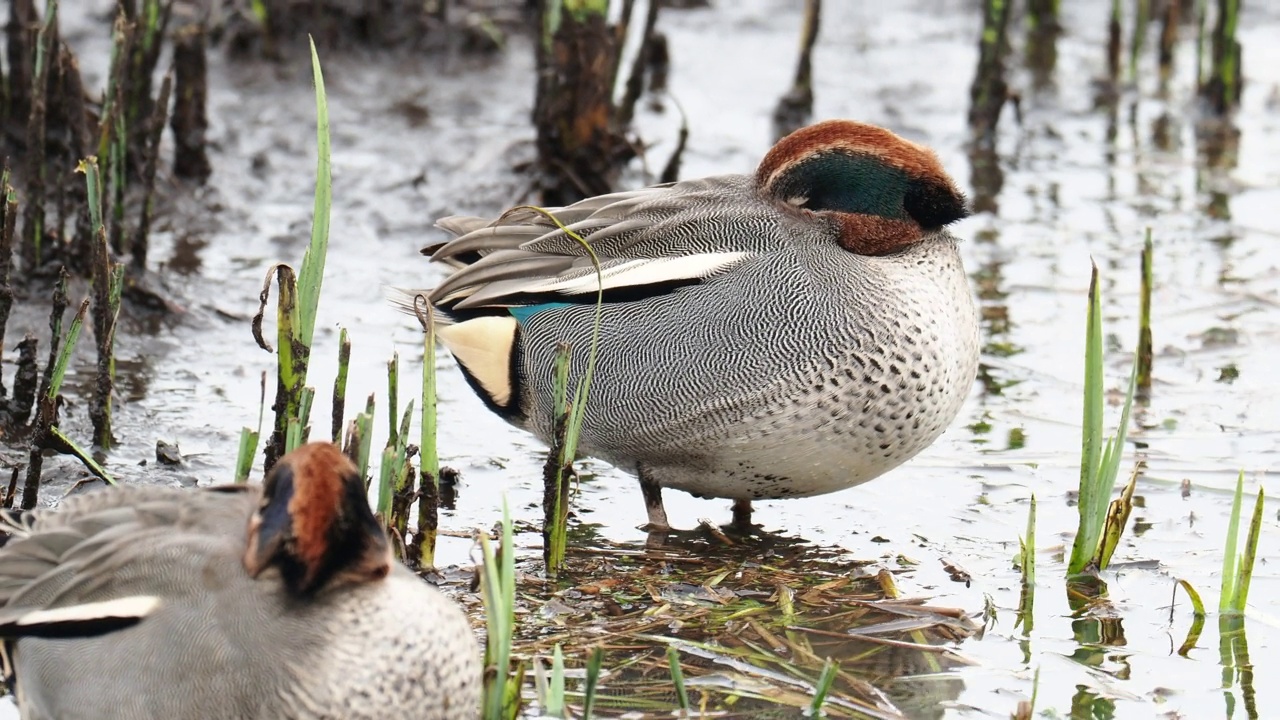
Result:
{"points": [[1237, 572], [299, 299], [1101, 520], [569, 411]]}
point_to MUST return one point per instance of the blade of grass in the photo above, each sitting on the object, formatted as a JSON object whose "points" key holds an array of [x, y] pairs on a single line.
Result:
{"points": [[594, 661], [1244, 569], [825, 682], [423, 550], [1229, 559], [311, 274], [386, 470], [305, 400], [299, 295], [393, 397], [249, 439], [83, 456], [68, 347], [677, 677], [244, 457], [364, 424], [551, 694], [1091, 429]]}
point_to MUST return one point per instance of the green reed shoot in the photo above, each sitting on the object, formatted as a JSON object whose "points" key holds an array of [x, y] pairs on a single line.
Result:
{"points": [[1237, 572], [340, 384], [299, 296], [1027, 561], [108, 284], [394, 494], [427, 446], [1100, 460], [386, 470], [298, 428], [677, 677], [311, 276], [393, 396], [364, 430], [55, 386], [249, 439], [428, 452], [394, 473], [594, 662], [569, 414], [556, 493], [825, 681], [1145, 349], [68, 347], [498, 592], [551, 690]]}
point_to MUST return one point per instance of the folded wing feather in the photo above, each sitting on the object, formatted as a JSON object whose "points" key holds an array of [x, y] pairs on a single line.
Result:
{"points": [[657, 237]]}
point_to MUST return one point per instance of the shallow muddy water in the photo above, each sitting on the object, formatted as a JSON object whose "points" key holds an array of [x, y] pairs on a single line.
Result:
{"points": [[416, 138]]}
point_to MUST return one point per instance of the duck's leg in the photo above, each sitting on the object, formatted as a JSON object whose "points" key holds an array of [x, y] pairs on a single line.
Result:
{"points": [[742, 517], [652, 492]]}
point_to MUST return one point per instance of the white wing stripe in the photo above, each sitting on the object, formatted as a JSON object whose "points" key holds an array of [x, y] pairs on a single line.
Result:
{"points": [[644, 271]]}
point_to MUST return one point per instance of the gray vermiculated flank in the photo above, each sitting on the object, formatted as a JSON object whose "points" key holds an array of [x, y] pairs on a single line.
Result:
{"points": [[222, 645]]}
